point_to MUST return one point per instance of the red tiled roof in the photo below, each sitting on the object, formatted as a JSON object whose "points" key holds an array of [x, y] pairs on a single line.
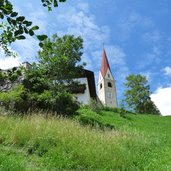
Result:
{"points": [[105, 64]]}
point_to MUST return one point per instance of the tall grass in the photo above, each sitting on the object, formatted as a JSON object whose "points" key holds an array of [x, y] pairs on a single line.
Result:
{"points": [[38, 143]]}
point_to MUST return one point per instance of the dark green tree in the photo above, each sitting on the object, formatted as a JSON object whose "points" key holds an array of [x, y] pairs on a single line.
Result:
{"points": [[137, 95], [14, 27], [47, 85], [49, 81], [60, 58], [36, 80]]}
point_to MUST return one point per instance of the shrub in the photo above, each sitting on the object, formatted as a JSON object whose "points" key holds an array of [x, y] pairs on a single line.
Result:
{"points": [[13, 99], [21, 100], [95, 106], [65, 104]]}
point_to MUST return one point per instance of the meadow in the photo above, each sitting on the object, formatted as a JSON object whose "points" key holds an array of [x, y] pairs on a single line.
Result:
{"points": [[90, 141]]}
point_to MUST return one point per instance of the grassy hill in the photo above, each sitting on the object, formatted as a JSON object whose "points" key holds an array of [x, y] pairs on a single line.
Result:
{"points": [[109, 142]]}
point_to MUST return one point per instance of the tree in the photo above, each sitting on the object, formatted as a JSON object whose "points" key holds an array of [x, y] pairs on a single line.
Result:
{"points": [[36, 80], [137, 95], [16, 27], [35, 92], [47, 85], [60, 58]]}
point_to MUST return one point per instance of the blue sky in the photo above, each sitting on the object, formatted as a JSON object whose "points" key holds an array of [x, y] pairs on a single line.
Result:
{"points": [[136, 34]]}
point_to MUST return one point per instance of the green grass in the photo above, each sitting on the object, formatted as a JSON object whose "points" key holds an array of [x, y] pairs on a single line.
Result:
{"points": [[91, 141]]}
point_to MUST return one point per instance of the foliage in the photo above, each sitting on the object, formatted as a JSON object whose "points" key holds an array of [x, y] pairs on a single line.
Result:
{"points": [[50, 3], [53, 75], [95, 106], [10, 78], [39, 143], [59, 57], [65, 105], [61, 103], [19, 99], [15, 26], [13, 99], [151, 108], [10, 75], [46, 85], [36, 80], [137, 95]]}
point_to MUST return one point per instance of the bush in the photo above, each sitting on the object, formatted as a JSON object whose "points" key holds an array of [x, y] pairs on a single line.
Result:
{"points": [[65, 104], [95, 106], [13, 99], [21, 100]]}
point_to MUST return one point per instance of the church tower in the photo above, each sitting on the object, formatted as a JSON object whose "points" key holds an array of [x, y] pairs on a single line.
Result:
{"points": [[106, 84]]}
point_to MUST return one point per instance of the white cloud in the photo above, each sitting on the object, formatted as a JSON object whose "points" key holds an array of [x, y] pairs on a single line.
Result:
{"points": [[39, 18], [35, 13], [27, 48], [167, 71], [78, 22], [9, 62], [162, 99]]}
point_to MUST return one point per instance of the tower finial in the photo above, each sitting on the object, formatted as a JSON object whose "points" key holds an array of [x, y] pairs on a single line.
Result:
{"points": [[105, 64], [103, 45]]}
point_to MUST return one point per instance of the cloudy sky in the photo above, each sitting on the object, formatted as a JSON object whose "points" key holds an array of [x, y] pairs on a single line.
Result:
{"points": [[136, 36]]}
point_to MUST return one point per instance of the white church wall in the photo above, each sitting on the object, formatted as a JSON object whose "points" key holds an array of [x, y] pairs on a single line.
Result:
{"points": [[83, 98], [101, 92]]}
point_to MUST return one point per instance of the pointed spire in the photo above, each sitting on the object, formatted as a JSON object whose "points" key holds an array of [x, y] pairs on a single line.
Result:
{"points": [[105, 64]]}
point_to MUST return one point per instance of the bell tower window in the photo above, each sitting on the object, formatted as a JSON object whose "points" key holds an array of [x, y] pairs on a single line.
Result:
{"points": [[109, 84], [101, 86]]}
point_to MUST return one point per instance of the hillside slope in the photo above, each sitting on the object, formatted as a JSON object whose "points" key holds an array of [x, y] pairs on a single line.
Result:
{"points": [[137, 142]]}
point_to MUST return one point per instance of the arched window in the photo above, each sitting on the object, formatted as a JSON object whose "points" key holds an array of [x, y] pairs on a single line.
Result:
{"points": [[109, 84], [100, 85]]}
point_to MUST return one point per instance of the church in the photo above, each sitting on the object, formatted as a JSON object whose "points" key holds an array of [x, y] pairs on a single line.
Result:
{"points": [[87, 89], [106, 86]]}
